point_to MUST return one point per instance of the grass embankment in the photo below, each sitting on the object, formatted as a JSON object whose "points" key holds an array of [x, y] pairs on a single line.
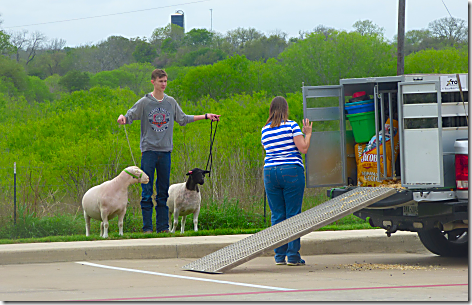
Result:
{"points": [[225, 218]]}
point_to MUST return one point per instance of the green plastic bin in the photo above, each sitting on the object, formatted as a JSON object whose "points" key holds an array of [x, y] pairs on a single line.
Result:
{"points": [[363, 125]]}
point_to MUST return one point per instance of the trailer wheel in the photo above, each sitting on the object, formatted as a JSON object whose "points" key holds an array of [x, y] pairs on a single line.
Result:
{"points": [[453, 243]]}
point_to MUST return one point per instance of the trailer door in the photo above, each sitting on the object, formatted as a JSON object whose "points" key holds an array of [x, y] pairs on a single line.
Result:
{"points": [[326, 158], [421, 151]]}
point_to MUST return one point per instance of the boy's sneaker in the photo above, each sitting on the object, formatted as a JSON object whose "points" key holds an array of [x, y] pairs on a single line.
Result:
{"points": [[281, 263], [300, 262]]}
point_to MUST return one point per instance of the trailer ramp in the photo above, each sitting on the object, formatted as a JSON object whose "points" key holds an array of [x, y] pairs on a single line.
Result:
{"points": [[289, 229]]}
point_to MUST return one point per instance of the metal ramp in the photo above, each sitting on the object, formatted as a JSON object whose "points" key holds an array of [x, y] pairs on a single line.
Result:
{"points": [[288, 230]]}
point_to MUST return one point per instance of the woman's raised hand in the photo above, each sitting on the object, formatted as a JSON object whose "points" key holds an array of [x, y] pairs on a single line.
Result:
{"points": [[307, 127]]}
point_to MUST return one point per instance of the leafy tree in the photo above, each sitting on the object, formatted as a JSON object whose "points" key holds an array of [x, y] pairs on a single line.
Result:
{"points": [[238, 37], [367, 27], [13, 78], [264, 47], [198, 38], [53, 84], [416, 40], [140, 81], [172, 33], [135, 76], [75, 80], [320, 61], [452, 30], [6, 47], [320, 29], [449, 60], [203, 56], [220, 80], [144, 52], [37, 90], [112, 79], [169, 45], [114, 52]]}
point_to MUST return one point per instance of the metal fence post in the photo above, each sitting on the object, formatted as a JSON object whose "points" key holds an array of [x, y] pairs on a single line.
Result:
{"points": [[14, 193]]}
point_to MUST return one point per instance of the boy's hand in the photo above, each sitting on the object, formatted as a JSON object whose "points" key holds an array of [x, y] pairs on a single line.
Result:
{"points": [[213, 117], [121, 119]]}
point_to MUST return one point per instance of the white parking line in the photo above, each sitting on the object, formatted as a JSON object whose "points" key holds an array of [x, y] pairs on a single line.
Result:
{"points": [[184, 277]]}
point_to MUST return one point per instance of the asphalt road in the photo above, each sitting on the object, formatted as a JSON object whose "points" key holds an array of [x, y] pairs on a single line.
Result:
{"points": [[327, 277]]}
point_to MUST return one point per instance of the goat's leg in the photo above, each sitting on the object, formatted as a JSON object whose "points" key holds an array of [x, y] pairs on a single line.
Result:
{"points": [[105, 224], [101, 228], [176, 221], [87, 224], [195, 220], [182, 224], [120, 221]]}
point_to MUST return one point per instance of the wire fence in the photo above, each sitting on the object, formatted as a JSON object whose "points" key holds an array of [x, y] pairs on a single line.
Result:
{"points": [[48, 191], [51, 190]]}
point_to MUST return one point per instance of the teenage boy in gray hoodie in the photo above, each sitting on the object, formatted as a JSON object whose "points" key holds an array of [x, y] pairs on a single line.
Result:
{"points": [[157, 112]]}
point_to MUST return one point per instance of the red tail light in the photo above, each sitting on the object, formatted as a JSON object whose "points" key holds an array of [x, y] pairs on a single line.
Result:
{"points": [[462, 172]]}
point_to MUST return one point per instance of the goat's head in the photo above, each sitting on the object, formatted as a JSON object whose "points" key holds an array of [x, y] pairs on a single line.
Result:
{"points": [[137, 174], [197, 175]]}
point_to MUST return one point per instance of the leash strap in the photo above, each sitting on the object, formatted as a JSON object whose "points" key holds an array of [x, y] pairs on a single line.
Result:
{"points": [[129, 145], [212, 139]]}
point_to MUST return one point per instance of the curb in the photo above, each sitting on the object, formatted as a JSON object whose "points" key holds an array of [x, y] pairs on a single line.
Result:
{"points": [[314, 243]]}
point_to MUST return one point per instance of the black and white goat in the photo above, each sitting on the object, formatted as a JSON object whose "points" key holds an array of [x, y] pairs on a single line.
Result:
{"points": [[184, 199]]}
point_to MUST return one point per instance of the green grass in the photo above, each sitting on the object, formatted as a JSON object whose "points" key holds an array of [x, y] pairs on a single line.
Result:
{"points": [[115, 236], [225, 218]]}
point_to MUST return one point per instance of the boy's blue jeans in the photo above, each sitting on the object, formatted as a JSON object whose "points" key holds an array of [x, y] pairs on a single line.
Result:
{"points": [[160, 162], [285, 185]]}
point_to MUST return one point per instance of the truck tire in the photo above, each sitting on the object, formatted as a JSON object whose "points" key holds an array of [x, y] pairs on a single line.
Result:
{"points": [[454, 243]]}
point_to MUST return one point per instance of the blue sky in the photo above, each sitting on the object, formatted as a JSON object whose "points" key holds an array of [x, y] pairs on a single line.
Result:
{"points": [[139, 18]]}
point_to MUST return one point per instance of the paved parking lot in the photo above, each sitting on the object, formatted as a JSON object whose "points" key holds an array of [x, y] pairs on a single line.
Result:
{"points": [[340, 277]]}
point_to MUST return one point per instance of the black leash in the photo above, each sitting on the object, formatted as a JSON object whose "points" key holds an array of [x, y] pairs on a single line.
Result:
{"points": [[212, 139]]}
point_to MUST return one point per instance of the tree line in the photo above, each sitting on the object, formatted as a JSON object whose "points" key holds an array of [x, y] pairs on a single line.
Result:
{"points": [[170, 46]]}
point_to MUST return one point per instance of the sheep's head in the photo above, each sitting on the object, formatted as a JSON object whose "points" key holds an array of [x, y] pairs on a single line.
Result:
{"points": [[197, 175], [137, 173]]}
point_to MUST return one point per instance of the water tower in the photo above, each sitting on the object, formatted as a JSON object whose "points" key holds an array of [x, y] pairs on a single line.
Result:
{"points": [[178, 19]]}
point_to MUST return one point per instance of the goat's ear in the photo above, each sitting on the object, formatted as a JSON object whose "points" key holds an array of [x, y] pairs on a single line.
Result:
{"points": [[189, 173], [206, 172]]}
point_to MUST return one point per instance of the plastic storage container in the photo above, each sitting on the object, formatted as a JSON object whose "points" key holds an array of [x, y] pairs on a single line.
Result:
{"points": [[363, 125], [358, 107]]}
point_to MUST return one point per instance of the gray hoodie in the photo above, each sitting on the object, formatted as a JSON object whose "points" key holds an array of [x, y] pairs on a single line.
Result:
{"points": [[157, 121]]}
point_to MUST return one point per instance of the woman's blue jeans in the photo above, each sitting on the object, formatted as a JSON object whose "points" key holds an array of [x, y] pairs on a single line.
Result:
{"points": [[159, 162], [285, 185]]}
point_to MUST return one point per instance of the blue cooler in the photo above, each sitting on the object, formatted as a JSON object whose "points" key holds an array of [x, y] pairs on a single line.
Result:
{"points": [[359, 107]]}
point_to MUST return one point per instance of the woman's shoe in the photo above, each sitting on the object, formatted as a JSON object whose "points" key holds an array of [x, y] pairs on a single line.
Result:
{"points": [[300, 262]]}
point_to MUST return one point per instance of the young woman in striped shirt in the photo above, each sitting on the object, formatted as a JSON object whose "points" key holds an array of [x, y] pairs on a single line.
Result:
{"points": [[284, 178]]}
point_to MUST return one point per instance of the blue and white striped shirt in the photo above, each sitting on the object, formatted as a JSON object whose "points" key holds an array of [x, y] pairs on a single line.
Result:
{"points": [[279, 145]]}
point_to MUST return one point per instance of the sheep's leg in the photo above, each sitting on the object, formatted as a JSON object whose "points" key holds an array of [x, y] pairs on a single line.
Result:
{"points": [[171, 222], [87, 224], [120, 222], [105, 225], [176, 221], [101, 228], [182, 224], [195, 220]]}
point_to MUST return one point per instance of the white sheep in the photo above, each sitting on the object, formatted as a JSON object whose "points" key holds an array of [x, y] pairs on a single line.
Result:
{"points": [[184, 199], [109, 199]]}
